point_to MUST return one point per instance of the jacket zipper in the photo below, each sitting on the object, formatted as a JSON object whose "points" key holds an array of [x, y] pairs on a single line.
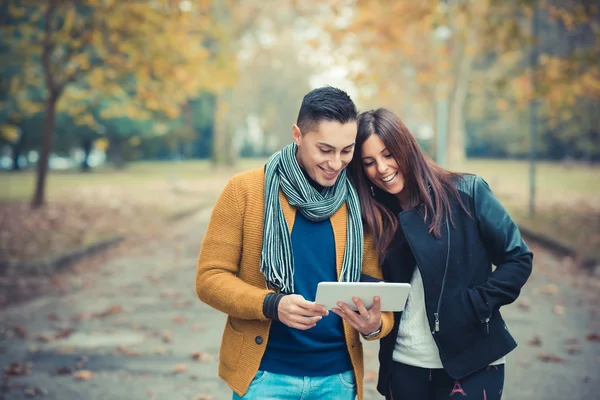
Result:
{"points": [[436, 315]]}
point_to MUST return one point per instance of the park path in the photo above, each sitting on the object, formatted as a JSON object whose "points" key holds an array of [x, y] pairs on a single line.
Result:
{"points": [[133, 329]]}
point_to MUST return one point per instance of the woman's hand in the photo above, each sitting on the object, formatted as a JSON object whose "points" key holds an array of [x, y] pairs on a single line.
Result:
{"points": [[365, 321]]}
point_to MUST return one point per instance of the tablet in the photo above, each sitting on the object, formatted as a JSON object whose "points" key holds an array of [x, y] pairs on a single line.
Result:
{"points": [[393, 295]]}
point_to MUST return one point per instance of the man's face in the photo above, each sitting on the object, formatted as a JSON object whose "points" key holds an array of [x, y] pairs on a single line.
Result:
{"points": [[325, 151]]}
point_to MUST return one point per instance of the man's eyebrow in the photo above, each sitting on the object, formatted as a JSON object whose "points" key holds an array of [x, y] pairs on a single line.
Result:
{"points": [[333, 147]]}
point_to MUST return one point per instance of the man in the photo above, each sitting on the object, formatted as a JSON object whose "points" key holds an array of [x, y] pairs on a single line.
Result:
{"points": [[274, 234]]}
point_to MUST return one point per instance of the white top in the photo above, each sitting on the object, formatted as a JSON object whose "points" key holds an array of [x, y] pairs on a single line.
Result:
{"points": [[414, 344]]}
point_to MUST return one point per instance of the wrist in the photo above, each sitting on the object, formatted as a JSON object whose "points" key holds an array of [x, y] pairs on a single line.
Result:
{"points": [[271, 305], [374, 333]]}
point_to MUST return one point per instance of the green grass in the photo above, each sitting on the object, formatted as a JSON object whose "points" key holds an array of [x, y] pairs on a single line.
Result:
{"points": [[19, 186], [567, 197]]}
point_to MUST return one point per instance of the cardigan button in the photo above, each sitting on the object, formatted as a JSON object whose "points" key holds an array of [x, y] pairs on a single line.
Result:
{"points": [[258, 340]]}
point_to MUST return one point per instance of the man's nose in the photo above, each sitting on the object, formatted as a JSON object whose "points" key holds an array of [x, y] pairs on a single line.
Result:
{"points": [[336, 163]]}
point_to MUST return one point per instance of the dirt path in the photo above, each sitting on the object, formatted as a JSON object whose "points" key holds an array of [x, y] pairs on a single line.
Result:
{"points": [[133, 329]]}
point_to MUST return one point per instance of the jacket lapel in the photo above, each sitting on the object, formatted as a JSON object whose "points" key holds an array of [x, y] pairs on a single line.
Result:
{"points": [[289, 211], [339, 222]]}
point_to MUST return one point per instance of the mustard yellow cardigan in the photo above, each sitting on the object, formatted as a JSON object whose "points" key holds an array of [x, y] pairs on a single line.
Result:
{"points": [[228, 278]]}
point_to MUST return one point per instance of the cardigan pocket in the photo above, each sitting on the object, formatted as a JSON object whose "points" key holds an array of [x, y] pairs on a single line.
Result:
{"points": [[231, 346]]}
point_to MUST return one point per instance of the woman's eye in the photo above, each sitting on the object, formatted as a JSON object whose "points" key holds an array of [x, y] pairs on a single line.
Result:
{"points": [[346, 151], [388, 156], [325, 151], [368, 164]]}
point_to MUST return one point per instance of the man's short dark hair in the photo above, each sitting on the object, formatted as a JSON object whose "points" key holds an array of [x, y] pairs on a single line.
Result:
{"points": [[325, 104]]}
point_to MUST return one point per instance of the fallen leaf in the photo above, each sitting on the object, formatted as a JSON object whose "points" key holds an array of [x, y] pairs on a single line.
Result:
{"points": [[200, 356], [550, 289], [31, 392], [550, 358], [203, 397], [183, 304], [573, 349], [593, 337], [180, 368], [370, 376], [64, 371], [53, 317], [572, 340], [109, 311], [80, 317], [558, 310], [18, 369], [64, 333], [83, 375], [20, 331], [126, 352], [523, 304], [167, 336], [179, 319], [46, 337], [160, 351], [535, 341]]}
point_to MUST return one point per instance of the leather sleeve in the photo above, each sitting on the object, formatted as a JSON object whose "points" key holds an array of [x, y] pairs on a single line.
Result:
{"points": [[506, 249]]}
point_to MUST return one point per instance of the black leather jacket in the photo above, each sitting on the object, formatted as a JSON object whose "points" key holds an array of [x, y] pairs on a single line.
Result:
{"points": [[463, 292]]}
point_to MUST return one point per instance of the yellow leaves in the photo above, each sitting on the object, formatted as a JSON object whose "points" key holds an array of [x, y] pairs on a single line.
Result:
{"points": [[9, 133], [15, 11], [69, 18], [101, 144], [502, 105], [85, 119], [82, 61]]}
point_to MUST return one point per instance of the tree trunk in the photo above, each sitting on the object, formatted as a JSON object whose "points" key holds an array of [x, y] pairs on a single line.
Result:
{"points": [[223, 146], [116, 153], [49, 119], [87, 149], [42, 167], [456, 116], [16, 153]]}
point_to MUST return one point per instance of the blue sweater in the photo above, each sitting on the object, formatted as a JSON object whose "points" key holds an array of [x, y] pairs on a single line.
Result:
{"points": [[319, 351]]}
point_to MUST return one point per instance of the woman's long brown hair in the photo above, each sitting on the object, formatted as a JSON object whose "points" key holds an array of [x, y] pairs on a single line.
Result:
{"points": [[429, 186]]}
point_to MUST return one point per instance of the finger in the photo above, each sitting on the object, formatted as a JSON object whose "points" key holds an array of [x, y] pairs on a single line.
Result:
{"points": [[346, 317], [362, 310], [302, 323], [312, 308], [376, 307], [350, 314], [304, 320], [296, 310]]}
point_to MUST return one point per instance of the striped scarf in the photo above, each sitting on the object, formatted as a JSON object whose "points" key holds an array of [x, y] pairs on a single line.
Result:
{"points": [[283, 172]]}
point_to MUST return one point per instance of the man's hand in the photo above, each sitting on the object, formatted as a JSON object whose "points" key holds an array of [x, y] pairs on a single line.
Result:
{"points": [[295, 312], [365, 321]]}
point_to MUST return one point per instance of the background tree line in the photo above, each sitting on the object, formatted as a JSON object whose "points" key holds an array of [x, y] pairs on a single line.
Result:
{"points": [[222, 78]]}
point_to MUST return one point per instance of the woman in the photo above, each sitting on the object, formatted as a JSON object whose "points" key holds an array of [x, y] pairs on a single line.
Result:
{"points": [[440, 231]]}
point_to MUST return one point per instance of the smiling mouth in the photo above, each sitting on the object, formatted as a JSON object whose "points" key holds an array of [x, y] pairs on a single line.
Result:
{"points": [[330, 173], [389, 178]]}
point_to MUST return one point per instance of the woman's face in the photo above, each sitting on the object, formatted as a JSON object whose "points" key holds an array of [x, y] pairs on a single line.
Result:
{"points": [[380, 167]]}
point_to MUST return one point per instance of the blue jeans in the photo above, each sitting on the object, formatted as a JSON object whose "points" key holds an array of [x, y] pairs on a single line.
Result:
{"points": [[270, 386]]}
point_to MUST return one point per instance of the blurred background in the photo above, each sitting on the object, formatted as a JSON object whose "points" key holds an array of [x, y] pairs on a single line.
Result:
{"points": [[120, 119]]}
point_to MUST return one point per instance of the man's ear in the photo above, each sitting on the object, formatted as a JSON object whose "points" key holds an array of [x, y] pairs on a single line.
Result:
{"points": [[296, 134]]}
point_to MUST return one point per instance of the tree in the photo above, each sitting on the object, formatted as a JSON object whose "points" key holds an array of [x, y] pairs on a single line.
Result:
{"points": [[155, 42]]}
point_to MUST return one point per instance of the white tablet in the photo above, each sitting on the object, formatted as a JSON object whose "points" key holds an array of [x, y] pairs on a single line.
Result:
{"points": [[393, 295]]}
